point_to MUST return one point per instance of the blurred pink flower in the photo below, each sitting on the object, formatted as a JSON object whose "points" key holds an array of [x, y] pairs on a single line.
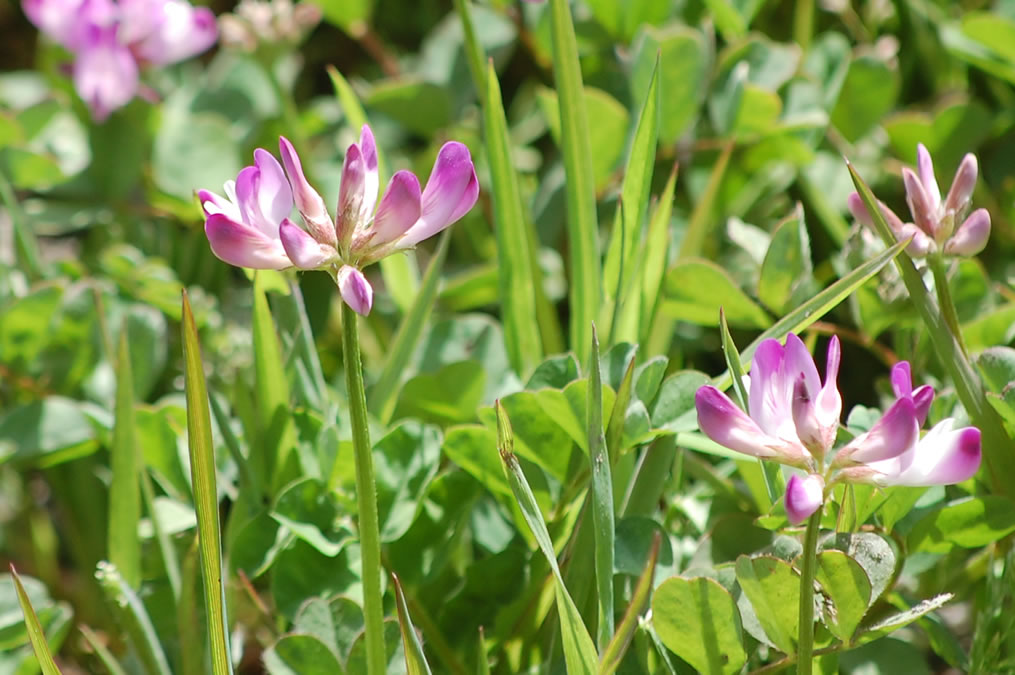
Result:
{"points": [[112, 40]]}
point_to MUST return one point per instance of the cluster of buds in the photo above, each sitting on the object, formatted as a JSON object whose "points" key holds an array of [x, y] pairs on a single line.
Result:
{"points": [[934, 221], [793, 418], [271, 22], [112, 40], [250, 226]]}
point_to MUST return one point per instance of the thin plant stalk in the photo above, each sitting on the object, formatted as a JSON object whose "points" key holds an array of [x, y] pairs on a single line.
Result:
{"points": [[805, 644], [944, 297], [366, 495]]}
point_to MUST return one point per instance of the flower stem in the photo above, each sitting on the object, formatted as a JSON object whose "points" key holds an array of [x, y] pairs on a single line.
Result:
{"points": [[366, 495], [805, 645], [944, 298]]}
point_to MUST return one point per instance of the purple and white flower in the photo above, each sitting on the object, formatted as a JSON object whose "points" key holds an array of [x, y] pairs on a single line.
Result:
{"points": [[934, 221], [112, 40], [252, 227]]}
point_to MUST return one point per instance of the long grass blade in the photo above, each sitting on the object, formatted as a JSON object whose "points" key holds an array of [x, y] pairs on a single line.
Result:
{"points": [[582, 220], [579, 650], [202, 472], [384, 394], [629, 624], [702, 218], [602, 497], [620, 268], [112, 666], [36, 635], [654, 258], [125, 492], [415, 661], [474, 55], [134, 619], [997, 446], [169, 558], [515, 260]]}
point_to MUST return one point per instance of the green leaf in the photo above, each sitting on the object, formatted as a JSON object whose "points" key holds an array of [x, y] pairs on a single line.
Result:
{"points": [[970, 523], [582, 220], [848, 589], [897, 621], [45, 433], [773, 587], [202, 472], [869, 92], [415, 662], [654, 257], [787, 264], [602, 497], [406, 460], [620, 309], [579, 650], [383, 396], [694, 290], [683, 62], [125, 491], [727, 19], [352, 16], [297, 654], [515, 259], [702, 219], [469, 446], [871, 552], [36, 634], [422, 107], [448, 396], [312, 512], [192, 149], [698, 620], [640, 596]]}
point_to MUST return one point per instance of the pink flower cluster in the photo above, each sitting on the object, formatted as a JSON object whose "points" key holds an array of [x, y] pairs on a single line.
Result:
{"points": [[112, 40], [250, 226], [793, 418]]}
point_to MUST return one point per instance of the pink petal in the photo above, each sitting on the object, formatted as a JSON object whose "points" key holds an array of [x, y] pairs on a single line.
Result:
{"points": [[922, 398], [449, 194], [263, 193], [921, 244], [244, 246], [804, 496], [972, 235], [890, 436], [902, 379], [925, 165], [859, 211], [942, 457], [303, 250], [105, 73], [400, 207], [828, 405], [371, 177], [922, 209], [962, 185], [212, 203], [308, 200], [355, 289], [63, 21], [352, 214], [721, 420], [770, 395], [182, 31]]}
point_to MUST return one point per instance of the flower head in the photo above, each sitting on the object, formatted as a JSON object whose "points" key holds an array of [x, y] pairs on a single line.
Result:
{"points": [[113, 39], [934, 221], [793, 419], [253, 229]]}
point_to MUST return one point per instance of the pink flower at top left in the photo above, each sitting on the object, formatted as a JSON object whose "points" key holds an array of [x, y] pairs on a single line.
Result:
{"points": [[113, 40]]}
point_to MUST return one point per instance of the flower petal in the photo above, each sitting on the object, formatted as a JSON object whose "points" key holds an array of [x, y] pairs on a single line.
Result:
{"points": [[244, 246], [920, 206], [449, 194], [921, 243], [922, 398], [925, 165], [972, 235], [308, 201], [105, 73], [942, 457], [263, 193], [828, 405], [721, 420], [400, 207], [304, 251], [351, 194], [902, 379], [182, 31], [890, 436], [212, 203], [371, 176], [769, 397], [355, 289], [859, 211], [962, 185], [803, 497]]}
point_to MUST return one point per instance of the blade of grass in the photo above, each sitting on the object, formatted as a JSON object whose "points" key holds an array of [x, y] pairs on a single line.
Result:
{"points": [[997, 446], [654, 258], [292, 311], [192, 646], [401, 277], [415, 661], [615, 427], [132, 616], [579, 650], [101, 651], [582, 220], [602, 496], [815, 308], [629, 624], [473, 50], [515, 260], [202, 472], [620, 268], [36, 635], [702, 217], [271, 395], [384, 394], [169, 558], [124, 491], [25, 244]]}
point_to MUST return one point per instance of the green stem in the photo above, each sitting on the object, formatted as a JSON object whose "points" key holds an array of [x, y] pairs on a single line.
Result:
{"points": [[805, 646], [366, 495], [944, 298]]}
